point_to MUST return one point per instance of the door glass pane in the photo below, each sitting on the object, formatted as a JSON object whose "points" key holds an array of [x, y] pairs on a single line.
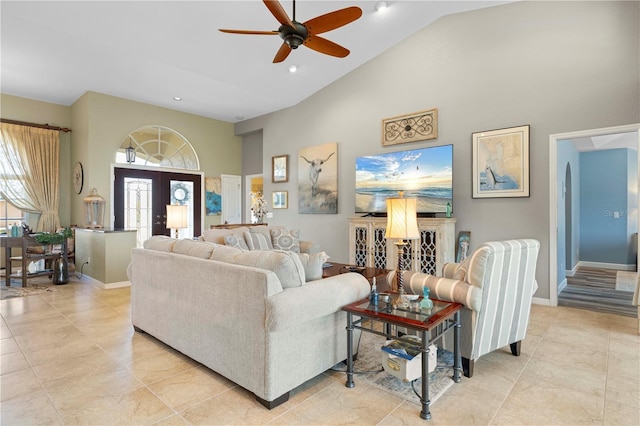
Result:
{"points": [[182, 194], [137, 207]]}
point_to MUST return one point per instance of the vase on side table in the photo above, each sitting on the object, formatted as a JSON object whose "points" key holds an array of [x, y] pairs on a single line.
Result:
{"points": [[61, 266]]}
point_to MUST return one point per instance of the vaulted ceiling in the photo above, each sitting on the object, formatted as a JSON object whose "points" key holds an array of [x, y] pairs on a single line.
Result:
{"points": [[155, 51]]}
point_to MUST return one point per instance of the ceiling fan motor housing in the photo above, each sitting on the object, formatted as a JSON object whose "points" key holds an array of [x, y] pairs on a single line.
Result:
{"points": [[293, 36]]}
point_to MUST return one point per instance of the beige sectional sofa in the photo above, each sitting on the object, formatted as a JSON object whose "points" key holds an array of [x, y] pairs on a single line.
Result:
{"points": [[251, 316]]}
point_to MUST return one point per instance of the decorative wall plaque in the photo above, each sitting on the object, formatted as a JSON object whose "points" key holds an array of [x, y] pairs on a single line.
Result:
{"points": [[414, 127]]}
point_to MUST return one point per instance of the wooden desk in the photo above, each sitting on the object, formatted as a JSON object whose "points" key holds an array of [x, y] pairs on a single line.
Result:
{"points": [[22, 243]]}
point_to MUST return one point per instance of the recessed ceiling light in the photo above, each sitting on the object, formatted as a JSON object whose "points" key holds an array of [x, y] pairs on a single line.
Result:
{"points": [[293, 68], [239, 117], [177, 98], [381, 6]]}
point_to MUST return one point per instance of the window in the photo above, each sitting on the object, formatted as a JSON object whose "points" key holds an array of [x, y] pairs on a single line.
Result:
{"points": [[159, 146], [8, 216]]}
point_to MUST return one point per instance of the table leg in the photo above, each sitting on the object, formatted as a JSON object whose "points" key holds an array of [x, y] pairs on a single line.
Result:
{"points": [[457, 363], [349, 383], [425, 413]]}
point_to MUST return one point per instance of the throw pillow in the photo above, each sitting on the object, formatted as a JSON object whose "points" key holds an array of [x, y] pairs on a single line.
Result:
{"points": [[312, 264], [235, 241], [284, 239], [257, 241]]}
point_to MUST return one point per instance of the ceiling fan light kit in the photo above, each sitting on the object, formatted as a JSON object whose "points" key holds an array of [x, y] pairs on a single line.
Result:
{"points": [[381, 6], [294, 33]]}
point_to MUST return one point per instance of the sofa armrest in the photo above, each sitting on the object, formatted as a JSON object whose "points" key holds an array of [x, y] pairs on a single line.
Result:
{"points": [[314, 300], [444, 289], [449, 269]]}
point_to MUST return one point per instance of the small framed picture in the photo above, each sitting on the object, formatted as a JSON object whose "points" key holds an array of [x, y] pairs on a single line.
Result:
{"points": [[500, 163], [280, 168], [280, 200]]}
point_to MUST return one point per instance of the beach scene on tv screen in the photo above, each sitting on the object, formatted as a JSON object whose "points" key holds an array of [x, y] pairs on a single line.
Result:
{"points": [[425, 174]]}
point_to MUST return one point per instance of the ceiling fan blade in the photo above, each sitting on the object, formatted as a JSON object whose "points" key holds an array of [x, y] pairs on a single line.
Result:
{"points": [[278, 12], [282, 54], [249, 32], [332, 20], [325, 46]]}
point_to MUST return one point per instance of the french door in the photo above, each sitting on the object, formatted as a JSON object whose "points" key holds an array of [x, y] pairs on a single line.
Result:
{"points": [[141, 197]]}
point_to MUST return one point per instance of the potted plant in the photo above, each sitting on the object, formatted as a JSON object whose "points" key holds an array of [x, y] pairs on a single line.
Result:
{"points": [[49, 238], [61, 266]]}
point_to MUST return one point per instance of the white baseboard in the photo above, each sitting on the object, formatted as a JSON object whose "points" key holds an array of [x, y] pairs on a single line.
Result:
{"points": [[603, 265], [103, 286], [562, 285], [541, 301]]}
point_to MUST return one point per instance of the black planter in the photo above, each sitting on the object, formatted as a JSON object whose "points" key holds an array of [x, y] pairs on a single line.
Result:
{"points": [[61, 266]]}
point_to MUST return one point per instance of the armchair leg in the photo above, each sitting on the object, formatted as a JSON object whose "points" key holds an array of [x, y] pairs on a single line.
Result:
{"points": [[467, 367], [515, 347]]}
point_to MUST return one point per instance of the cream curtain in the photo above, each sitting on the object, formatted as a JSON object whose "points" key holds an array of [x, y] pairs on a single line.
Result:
{"points": [[29, 162]]}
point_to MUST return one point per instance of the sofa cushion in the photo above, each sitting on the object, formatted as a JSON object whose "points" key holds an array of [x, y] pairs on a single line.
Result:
{"points": [[258, 241], [312, 264], [160, 243], [217, 235], [224, 253], [286, 239], [236, 241], [201, 249], [285, 265]]}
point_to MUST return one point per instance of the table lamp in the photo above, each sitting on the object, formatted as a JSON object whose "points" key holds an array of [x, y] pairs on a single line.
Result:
{"points": [[402, 225], [177, 217]]}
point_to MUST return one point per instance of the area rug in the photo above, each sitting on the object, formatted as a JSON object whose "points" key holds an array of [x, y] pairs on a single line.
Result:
{"points": [[626, 280], [369, 360], [34, 286]]}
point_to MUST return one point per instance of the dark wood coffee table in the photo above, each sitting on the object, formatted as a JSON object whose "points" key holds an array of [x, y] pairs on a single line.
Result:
{"points": [[368, 273], [431, 325]]}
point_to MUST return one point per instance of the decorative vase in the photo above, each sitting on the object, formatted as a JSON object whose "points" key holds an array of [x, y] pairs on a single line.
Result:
{"points": [[60, 271], [426, 303], [61, 266]]}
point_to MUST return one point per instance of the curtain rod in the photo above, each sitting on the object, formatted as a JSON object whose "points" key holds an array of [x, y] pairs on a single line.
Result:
{"points": [[40, 126]]}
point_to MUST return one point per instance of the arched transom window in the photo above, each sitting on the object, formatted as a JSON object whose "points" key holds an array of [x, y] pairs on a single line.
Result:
{"points": [[159, 146]]}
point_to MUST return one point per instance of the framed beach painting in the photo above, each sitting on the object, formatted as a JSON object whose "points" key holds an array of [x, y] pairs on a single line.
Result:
{"points": [[318, 179], [500, 163]]}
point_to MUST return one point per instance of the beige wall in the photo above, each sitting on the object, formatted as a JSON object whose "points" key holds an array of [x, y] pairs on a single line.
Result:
{"points": [[100, 123], [106, 121]]}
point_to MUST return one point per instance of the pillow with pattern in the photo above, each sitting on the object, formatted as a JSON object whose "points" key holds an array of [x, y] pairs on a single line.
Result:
{"points": [[236, 241], [285, 239], [257, 241]]}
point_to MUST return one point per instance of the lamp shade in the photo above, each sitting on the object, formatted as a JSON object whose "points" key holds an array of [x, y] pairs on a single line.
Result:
{"points": [[402, 220], [177, 216]]}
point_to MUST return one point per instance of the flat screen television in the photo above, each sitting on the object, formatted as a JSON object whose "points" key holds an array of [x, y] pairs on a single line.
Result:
{"points": [[425, 174]]}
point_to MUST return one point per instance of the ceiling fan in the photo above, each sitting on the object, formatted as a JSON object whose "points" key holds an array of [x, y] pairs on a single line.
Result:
{"points": [[295, 33]]}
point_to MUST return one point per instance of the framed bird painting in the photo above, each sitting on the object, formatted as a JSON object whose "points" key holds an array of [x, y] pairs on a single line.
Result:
{"points": [[500, 163]]}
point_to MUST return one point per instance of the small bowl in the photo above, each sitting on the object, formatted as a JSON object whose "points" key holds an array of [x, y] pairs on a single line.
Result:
{"points": [[411, 297], [384, 297]]}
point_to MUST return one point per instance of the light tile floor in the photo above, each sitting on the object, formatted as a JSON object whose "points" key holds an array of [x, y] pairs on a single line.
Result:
{"points": [[72, 357]]}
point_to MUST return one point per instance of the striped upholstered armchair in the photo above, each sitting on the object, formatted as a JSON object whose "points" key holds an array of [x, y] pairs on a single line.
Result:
{"points": [[496, 284]]}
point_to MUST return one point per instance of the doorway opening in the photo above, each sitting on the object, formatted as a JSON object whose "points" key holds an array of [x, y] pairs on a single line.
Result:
{"points": [[558, 258]]}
